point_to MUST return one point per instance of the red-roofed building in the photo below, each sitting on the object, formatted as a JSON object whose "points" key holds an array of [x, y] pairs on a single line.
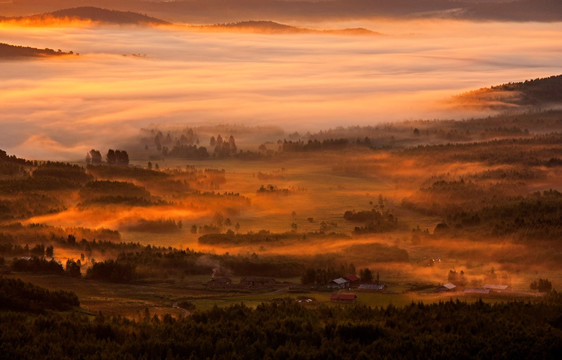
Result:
{"points": [[352, 278], [343, 298]]}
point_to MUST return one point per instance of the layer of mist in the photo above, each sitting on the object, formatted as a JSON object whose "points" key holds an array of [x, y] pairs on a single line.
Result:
{"points": [[131, 77]]}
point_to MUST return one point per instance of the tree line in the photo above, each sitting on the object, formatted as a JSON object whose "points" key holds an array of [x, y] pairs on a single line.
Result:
{"points": [[285, 329]]}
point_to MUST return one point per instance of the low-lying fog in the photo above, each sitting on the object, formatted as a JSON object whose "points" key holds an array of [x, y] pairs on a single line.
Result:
{"points": [[59, 108]]}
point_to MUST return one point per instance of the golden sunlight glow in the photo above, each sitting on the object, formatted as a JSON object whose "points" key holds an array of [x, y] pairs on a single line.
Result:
{"points": [[172, 75]]}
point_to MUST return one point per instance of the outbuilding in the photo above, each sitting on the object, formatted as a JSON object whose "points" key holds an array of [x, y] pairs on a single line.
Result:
{"points": [[339, 283], [446, 288], [372, 287]]}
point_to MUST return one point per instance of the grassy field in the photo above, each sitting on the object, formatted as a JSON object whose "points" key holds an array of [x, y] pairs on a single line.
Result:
{"points": [[321, 187], [133, 300]]}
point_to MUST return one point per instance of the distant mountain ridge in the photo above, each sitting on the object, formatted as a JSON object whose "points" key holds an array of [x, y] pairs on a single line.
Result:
{"points": [[265, 26], [106, 16], [530, 93], [14, 51], [95, 14]]}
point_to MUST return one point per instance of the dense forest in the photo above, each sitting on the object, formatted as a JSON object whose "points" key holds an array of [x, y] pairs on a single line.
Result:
{"points": [[16, 295], [283, 329]]}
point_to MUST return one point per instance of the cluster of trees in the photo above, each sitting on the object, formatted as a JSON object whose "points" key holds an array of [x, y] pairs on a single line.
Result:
{"points": [[93, 157], [366, 276], [137, 262], [8, 247], [122, 200], [539, 150], [516, 174], [107, 187], [5, 158], [11, 165], [13, 250], [156, 226], [315, 145], [457, 278], [10, 243], [288, 330], [190, 152], [155, 137], [535, 217], [272, 189], [542, 285], [401, 135], [262, 236], [113, 157], [117, 157], [322, 276], [47, 176], [126, 172], [223, 148], [376, 220], [186, 146], [16, 295], [37, 265], [73, 268], [116, 192], [57, 170], [111, 243], [112, 271]]}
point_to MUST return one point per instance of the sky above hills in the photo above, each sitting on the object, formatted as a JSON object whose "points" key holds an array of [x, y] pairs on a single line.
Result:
{"points": [[211, 11]]}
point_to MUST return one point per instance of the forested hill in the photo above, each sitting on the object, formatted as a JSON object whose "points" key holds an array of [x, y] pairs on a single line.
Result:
{"points": [[89, 13], [12, 51], [107, 16], [278, 28], [545, 90], [537, 92]]}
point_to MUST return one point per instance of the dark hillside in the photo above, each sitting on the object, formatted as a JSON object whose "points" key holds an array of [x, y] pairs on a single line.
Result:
{"points": [[13, 51], [106, 16]]}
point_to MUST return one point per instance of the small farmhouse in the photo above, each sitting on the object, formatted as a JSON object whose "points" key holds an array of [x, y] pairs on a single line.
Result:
{"points": [[351, 278], [477, 291], [496, 287], [446, 288], [372, 287], [339, 283]]}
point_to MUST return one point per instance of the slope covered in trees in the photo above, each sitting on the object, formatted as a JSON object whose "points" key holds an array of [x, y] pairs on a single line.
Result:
{"points": [[90, 13], [16, 295], [537, 92], [106, 16], [13, 51]]}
